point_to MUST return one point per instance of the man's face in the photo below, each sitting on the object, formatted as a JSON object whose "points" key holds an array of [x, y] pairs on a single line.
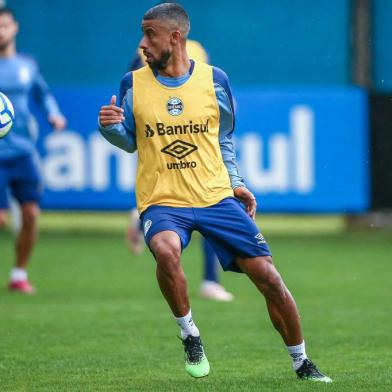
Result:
{"points": [[8, 30], [156, 43]]}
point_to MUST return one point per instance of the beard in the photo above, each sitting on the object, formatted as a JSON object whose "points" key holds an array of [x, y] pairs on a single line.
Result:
{"points": [[161, 63], [4, 45]]}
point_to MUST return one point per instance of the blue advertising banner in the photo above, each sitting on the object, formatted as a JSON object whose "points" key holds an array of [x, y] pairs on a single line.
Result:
{"points": [[299, 150]]}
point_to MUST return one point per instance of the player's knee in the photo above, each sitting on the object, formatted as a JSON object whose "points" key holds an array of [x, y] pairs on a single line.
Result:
{"points": [[168, 262], [167, 252], [272, 281], [30, 215]]}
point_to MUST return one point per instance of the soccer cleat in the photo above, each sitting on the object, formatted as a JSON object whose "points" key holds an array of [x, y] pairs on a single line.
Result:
{"points": [[22, 286], [308, 371], [196, 363], [213, 290]]}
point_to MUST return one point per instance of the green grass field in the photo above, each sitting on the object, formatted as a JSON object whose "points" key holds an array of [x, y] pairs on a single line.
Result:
{"points": [[98, 322]]}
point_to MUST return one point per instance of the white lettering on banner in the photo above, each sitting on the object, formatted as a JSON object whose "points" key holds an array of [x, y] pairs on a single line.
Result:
{"points": [[64, 167], [274, 179], [291, 157], [100, 156], [301, 124]]}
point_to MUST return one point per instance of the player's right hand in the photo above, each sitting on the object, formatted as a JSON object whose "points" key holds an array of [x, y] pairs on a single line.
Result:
{"points": [[111, 114]]}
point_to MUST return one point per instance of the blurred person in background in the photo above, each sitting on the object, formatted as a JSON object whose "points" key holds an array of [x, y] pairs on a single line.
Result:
{"points": [[177, 107], [21, 80], [210, 287]]}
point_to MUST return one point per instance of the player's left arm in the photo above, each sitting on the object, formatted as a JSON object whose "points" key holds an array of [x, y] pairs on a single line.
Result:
{"points": [[227, 122], [44, 97]]}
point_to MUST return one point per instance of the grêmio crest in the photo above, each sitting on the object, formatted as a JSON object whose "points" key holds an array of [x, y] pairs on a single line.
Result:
{"points": [[174, 106]]}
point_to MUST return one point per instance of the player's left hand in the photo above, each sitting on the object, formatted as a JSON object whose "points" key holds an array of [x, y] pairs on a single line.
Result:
{"points": [[247, 197], [57, 122]]}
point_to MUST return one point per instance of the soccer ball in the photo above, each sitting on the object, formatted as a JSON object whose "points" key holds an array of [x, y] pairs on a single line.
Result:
{"points": [[6, 115]]}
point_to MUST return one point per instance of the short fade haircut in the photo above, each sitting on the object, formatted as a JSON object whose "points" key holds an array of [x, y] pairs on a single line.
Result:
{"points": [[173, 13], [7, 11]]}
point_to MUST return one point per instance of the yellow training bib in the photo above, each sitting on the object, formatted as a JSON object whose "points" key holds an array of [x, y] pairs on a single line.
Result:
{"points": [[177, 133]]}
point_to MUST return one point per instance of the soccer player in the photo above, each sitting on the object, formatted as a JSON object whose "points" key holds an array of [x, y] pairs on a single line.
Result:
{"points": [[19, 80], [210, 287], [178, 114]]}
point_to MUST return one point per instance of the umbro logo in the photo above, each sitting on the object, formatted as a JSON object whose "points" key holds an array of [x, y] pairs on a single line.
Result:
{"points": [[179, 149], [260, 238]]}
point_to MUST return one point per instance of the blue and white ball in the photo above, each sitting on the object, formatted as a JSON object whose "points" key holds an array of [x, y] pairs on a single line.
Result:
{"points": [[6, 115]]}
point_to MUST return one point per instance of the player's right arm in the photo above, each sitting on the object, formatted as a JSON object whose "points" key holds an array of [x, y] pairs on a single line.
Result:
{"points": [[117, 124], [111, 114]]}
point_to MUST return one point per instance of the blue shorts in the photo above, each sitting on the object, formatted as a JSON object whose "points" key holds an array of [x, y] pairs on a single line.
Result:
{"points": [[21, 176], [226, 226]]}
